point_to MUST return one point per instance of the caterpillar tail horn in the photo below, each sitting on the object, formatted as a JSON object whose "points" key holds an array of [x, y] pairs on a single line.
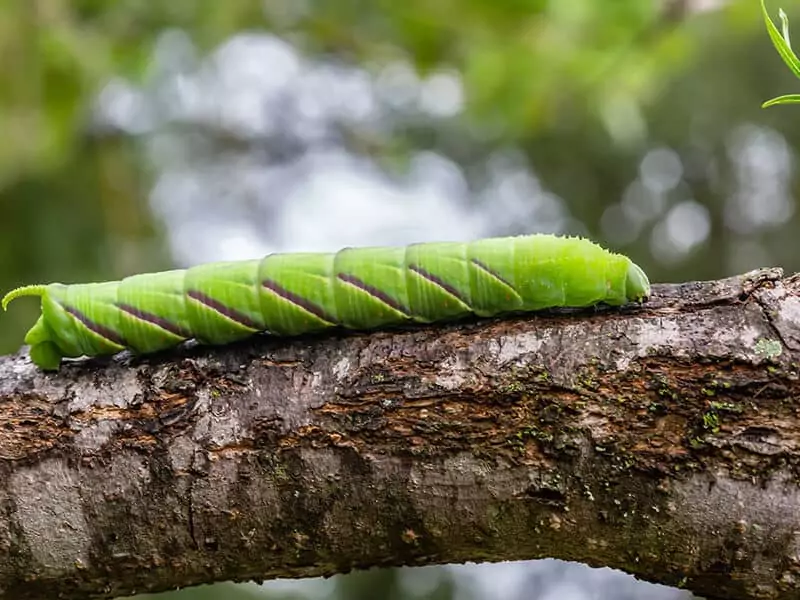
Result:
{"points": [[26, 290], [44, 353]]}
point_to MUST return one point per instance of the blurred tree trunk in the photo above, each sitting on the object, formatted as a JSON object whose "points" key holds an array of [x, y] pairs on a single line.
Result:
{"points": [[660, 440]]}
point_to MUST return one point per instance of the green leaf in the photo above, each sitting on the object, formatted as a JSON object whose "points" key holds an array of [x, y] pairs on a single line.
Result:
{"points": [[781, 44], [785, 26], [787, 99]]}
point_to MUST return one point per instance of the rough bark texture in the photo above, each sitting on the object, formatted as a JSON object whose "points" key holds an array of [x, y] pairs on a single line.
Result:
{"points": [[662, 440]]}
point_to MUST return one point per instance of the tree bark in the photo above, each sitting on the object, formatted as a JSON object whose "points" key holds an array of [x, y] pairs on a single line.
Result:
{"points": [[662, 440]]}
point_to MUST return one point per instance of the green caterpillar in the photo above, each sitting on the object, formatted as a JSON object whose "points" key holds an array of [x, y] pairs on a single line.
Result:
{"points": [[355, 288]]}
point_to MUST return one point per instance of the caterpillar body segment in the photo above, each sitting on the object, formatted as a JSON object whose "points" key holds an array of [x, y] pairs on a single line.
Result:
{"points": [[355, 288]]}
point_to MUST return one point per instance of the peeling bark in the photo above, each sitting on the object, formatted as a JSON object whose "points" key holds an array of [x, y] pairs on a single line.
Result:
{"points": [[662, 440]]}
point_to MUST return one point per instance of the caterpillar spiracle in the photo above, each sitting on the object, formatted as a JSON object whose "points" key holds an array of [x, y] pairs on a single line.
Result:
{"points": [[355, 288]]}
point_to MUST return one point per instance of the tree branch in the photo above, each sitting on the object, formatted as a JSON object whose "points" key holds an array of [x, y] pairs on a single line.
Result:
{"points": [[662, 440]]}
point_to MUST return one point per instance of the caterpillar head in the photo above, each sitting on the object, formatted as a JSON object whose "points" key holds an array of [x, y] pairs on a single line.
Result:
{"points": [[637, 285]]}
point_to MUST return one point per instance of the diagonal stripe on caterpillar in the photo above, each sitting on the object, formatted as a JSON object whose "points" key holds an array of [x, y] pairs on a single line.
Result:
{"points": [[355, 288]]}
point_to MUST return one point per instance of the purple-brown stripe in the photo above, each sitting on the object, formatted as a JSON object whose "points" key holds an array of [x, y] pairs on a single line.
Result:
{"points": [[375, 293], [164, 324], [106, 333], [298, 301], [226, 311], [438, 281], [494, 274]]}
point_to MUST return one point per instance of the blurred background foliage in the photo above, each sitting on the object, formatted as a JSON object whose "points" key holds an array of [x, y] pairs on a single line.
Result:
{"points": [[140, 136]]}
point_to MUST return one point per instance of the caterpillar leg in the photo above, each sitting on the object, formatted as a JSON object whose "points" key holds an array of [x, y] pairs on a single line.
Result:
{"points": [[44, 353]]}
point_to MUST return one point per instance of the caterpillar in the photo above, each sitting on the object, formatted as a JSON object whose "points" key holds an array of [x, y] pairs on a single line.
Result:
{"points": [[289, 294]]}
